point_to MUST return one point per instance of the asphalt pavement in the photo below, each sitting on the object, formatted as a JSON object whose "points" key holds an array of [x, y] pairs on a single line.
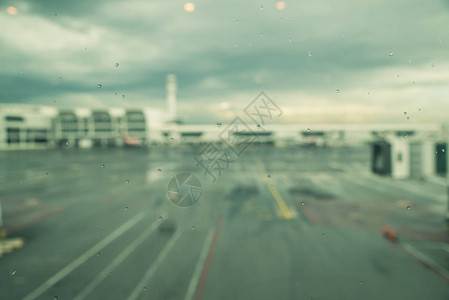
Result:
{"points": [[277, 223]]}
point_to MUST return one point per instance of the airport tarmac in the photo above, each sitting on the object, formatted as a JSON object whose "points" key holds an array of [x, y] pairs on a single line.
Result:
{"points": [[279, 223]]}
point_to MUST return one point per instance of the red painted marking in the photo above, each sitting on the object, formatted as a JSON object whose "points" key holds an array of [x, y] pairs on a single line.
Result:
{"points": [[37, 220], [310, 217], [208, 262], [425, 264]]}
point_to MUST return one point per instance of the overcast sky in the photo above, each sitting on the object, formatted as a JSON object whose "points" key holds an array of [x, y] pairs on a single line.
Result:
{"points": [[320, 61]]}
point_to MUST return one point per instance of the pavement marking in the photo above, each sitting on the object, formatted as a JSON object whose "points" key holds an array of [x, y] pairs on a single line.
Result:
{"points": [[117, 261], [199, 266], [426, 261], [84, 257], [208, 262], [153, 268], [286, 212]]}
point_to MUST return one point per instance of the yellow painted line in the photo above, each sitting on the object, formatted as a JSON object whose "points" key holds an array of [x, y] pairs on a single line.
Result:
{"points": [[285, 212]]}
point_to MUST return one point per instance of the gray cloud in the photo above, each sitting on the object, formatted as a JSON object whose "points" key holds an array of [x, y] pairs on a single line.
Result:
{"points": [[227, 52]]}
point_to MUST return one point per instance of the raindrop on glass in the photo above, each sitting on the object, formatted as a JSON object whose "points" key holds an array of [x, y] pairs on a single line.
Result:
{"points": [[237, 21], [337, 91], [126, 208], [127, 181], [309, 53], [66, 143], [116, 65], [258, 126], [172, 139], [193, 227], [404, 136], [123, 96], [442, 150], [308, 129], [261, 7], [159, 170], [433, 65], [405, 113], [261, 34], [269, 176], [302, 203], [98, 253], [144, 288], [391, 53], [99, 85], [408, 207], [160, 218], [218, 124], [13, 272], [55, 298], [102, 166], [408, 118]]}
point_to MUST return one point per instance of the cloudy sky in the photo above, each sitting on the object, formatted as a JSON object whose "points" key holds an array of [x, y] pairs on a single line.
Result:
{"points": [[320, 61]]}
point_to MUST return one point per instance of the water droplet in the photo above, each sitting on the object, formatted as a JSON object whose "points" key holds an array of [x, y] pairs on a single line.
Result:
{"points": [[261, 7], [404, 136], [144, 288], [337, 91], [116, 65], [159, 170], [290, 40], [308, 129], [237, 21], [405, 113], [98, 253], [46, 173], [419, 109], [13, 272], [361, 282], [261, 34], [99, 85], [67, 143], [309, 53], [302, 203], [269, 176], [408, 118], [126, 208], [193, 227], [391, 53], [218, 124], [258, 126], [127, 181], [442, 150], [160, 218], [408, 207], [433, 65], [123, 96], [55, 298], [410, 61], [115, 93], [102, 166], [172, 139]]}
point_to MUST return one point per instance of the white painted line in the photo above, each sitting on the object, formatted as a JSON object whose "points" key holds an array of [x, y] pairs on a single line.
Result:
{"points": [[199, 266], [117, 261], [427, 261], [83, 258], [153, 268]]}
